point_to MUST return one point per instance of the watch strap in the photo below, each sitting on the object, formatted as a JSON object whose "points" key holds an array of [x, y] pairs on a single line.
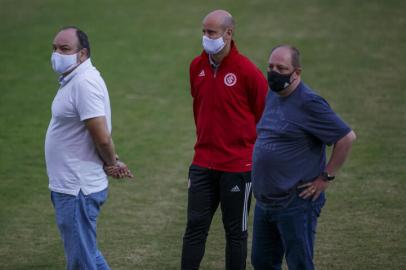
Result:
{"points": [[327, 177]]}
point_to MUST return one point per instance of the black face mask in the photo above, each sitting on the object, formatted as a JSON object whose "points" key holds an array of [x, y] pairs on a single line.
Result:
{"points": [[277, 82]]}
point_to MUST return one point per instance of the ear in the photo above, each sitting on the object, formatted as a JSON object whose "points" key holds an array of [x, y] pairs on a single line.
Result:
{"points": [[229, 32], [296, 74], [298, 71], [83, 55]]}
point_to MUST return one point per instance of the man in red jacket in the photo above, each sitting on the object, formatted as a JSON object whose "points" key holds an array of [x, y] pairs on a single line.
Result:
{"points": [[228, 93]]}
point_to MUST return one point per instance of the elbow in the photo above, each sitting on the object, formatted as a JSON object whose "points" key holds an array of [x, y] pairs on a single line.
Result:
{"points": [[347, 139], [352, 136]]}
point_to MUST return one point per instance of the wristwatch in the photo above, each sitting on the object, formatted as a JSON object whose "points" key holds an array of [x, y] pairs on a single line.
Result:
{"points": [[327, 177]]}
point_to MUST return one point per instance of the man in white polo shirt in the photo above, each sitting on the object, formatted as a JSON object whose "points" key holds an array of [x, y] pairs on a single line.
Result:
{"points": [[79, 150]]}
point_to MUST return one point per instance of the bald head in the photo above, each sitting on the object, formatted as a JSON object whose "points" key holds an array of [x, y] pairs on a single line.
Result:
{"points": [[218, 30], [290, 52], [220, 18]]}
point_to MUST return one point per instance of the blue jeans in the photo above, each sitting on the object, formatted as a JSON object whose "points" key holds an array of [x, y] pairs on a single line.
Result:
{"points": [[76, 218], [285, 228]]}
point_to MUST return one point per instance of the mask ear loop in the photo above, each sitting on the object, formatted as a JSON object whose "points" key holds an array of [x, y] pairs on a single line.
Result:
{"points": [[290, 76], [78, 53]]}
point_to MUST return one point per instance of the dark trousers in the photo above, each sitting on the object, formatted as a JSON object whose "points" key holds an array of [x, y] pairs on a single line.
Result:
{"points": [[207, 189], [285, 229]]}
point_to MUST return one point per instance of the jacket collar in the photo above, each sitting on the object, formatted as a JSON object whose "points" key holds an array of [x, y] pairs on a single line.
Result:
{"points": [[233, 52]]}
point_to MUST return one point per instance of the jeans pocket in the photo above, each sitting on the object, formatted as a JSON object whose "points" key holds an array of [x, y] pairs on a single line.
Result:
{"points": [[317, 206], [94, 202], [93, 208], [317, 211]]}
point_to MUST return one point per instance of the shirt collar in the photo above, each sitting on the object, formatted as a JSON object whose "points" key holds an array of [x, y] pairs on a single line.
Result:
{"points": [[83, 66]]}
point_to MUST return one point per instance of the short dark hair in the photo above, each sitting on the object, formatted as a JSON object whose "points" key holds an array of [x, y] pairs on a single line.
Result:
{"points": [[82, 37], [294, 52]]}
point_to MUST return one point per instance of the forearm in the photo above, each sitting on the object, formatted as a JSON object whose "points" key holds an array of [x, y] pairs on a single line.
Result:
{"points": [[105, 148], [107, 152], [340, 153], [97, 128]]}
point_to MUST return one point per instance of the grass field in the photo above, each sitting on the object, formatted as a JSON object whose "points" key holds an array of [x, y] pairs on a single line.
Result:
{"points": [[353, 54]]}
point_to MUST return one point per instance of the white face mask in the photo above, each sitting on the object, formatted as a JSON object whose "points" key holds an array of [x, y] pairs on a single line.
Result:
{"points": [[213, 46], [62, 63]]}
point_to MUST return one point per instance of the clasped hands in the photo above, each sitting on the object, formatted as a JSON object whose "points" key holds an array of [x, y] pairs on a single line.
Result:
{"points": [[119, 170]]}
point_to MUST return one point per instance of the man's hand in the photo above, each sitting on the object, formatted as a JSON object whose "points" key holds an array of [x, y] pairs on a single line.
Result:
{"points": [[313, 189], [118, 171]]}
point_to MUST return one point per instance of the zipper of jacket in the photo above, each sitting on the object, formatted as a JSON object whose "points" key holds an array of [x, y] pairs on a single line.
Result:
{"points": [[213, 81]]}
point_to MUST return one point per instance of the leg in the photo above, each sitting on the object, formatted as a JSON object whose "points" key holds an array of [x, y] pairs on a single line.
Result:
{"points": [[76, 218], [267, 246], [298, 228], [203, 200], [92, 205], [66, 207], [101, 262], [235, 197]]}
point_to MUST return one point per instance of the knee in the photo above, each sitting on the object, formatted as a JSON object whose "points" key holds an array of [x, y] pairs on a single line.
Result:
{"points": [[237, 237], [198, 221], [263, 263], [197, 227], [64, 223], [263, 258], [235, 233], [257, 261]]}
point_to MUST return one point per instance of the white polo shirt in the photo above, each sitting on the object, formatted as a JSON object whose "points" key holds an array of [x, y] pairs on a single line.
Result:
{"points": [[72, 161]]}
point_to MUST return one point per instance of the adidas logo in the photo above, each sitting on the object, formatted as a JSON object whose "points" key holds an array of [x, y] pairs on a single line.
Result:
{"points": [[201, 74], [235, 189]]}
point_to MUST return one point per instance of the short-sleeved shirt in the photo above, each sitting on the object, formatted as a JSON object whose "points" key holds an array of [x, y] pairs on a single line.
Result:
{"points": [[291, 144], [72, 161]]}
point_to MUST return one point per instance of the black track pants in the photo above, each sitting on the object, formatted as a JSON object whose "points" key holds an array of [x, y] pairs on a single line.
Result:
{"points": [[208, 188]]}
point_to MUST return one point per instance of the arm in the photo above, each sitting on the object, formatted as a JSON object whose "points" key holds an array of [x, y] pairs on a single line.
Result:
{"points": [[338, 156], [257, 94], [97, 128], [340, 152]]}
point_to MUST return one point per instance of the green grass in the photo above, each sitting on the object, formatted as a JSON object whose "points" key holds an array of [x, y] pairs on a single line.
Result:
{"points": [[353, 54]]}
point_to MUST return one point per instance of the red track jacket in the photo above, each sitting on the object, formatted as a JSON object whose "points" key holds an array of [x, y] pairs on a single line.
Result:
{"points": [[227, 104]]}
